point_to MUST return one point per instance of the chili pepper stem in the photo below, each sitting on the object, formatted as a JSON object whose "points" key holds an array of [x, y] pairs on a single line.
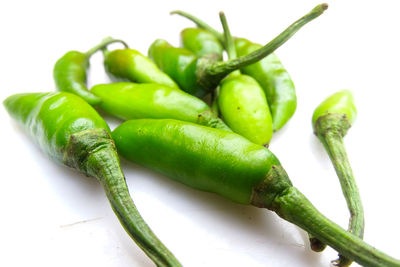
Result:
{"points": [[104, 43], [330, 130], [277, 194], [103, 164], [211, 73], [229, 44], [200, 24]]}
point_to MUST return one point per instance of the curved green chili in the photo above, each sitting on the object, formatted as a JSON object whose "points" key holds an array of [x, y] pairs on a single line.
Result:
{"points": [[269, 73], [199, 76], [71, 132], [130, 65], [242, 102], [331, 121], [137, 101], [231, 166], [70, 71]]}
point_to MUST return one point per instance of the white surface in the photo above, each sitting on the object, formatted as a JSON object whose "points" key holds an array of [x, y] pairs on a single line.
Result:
{"points": [[52, 216]]}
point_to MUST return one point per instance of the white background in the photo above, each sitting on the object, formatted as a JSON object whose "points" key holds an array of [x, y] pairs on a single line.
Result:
{"points": [[52, 216]]}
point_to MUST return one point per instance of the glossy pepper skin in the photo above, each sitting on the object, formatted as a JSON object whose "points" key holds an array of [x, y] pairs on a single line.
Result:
{"points": [[244, 108], [229, 165], [69, 72], [137, 101], [201, 42], [72, 133], [269, 72], [275, 81], [179, 63], [201, 75], [200, 157], [331, 121], [131, 65], [70, 75], [242, 102]]}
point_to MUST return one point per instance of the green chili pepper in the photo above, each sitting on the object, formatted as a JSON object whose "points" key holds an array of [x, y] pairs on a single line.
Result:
{"points": [[201, 42], [231, 166], [131, 65], [269, 73], [72, 133], [199, 76], [242, 101], [137, 101], [331, 120], [70, 71]]}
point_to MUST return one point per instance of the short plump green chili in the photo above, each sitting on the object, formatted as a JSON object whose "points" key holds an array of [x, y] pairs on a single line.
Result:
{"points": [[231, 166], [269, 73], [71, 132], [201, 75], [140, 101], [70, 72], [201, 42], [130, 65], [331, 120], [242, 102]]}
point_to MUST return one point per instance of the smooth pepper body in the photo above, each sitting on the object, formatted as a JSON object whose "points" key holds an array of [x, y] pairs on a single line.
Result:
{"points": [[200, 157], [229, 165], [341, 102], [274, 79], [244, 108], [136, 101], [201, 42], [131, 65], [51, 118], [71, 132], [70, 75], [180, 64]]}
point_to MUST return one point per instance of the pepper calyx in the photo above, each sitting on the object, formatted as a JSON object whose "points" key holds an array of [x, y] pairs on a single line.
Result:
{"points": [[332, 123], [82, 145], [276, 183]]}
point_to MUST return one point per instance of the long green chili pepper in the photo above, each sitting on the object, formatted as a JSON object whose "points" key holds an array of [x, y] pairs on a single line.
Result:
{"points": [[231, 166], [130, 65], [199, 76], [242, 101], [331, 120], [71, 132], [70, 71], [140, 101], [269, 72]]}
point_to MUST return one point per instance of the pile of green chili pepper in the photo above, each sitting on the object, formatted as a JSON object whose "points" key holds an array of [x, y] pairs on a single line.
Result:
{"points": [[218, 147]]}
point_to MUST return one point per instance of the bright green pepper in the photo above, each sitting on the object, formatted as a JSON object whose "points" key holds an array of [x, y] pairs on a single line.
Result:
{"points": [[269, 73], [242, 101], [274, 79], [244, 108], [229, 165], [70, 72], [201, 42], [72, 133], [137, 101], [201, 75], [131, 65], [331, 120]]}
